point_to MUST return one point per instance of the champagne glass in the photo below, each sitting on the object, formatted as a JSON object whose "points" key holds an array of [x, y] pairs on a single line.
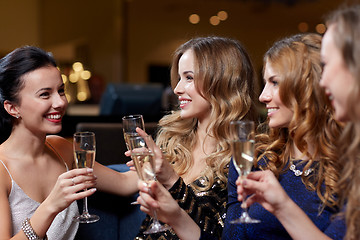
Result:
{"points": [[84, 151], [130, 123], [242, 146], [142, 153]]}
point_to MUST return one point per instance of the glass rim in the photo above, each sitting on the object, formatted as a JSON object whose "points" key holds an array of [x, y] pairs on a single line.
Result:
{"points": [[85, 133], [132, 116]]}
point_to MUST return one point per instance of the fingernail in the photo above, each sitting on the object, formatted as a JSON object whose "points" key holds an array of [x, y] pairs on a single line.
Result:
{"points": [[244, 182], [89, 170], [93, 190]]}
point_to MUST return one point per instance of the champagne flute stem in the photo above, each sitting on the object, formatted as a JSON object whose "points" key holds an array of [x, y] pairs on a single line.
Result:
{"points": [[155, 215], [155, 219], [85, 207], [243, 203]]}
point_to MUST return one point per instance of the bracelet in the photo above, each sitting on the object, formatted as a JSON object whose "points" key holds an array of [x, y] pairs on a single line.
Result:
{"points": [[29, 231]]}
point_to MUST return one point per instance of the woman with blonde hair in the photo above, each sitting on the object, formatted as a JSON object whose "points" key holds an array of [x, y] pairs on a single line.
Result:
{"points": [[214, 80], [298, 148]]}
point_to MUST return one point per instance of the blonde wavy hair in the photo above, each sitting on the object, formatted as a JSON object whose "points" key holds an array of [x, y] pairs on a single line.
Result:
{"points": [[346, 22], [297, 60], [224, 76]]}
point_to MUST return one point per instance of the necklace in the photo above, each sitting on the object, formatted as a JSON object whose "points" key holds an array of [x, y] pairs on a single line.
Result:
{"points": [[298, 172]]}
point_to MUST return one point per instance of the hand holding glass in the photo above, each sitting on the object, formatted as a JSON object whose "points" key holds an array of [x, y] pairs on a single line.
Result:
{"points": [[142, 153], [84, 152], [130, 123], [242, 146]]}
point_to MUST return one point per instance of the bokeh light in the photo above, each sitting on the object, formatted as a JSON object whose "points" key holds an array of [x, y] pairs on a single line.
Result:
{"points": [[303, 27], [194, 18], [320, 28], [222, 15], [214, 20]]}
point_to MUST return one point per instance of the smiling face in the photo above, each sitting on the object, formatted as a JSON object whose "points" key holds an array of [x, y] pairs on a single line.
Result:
{"points": [[336, 77], [279, 115], [192, 104], [42, 100]]}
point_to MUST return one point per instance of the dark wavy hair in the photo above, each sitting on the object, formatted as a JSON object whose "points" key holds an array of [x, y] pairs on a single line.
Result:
{"points": [[12, 69]]}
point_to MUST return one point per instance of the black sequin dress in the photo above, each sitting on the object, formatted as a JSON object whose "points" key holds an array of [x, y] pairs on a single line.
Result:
{"points": [[206, 208]]}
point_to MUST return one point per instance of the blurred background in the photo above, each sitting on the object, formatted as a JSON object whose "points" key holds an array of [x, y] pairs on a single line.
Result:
{"points": [[115, 54]]}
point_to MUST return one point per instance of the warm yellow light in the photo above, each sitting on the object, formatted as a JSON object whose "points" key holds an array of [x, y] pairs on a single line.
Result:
{"points": [[194, 18], [81, 96], [77, 66], [85, 74], [73, 77], [320, 28], [303, 27], [214, 20], [64, 78], [222, 15]]}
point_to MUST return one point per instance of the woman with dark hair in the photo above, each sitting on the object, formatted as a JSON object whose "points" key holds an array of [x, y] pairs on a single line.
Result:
{"points": [[38, 186], [214, 80], [298, 147]]}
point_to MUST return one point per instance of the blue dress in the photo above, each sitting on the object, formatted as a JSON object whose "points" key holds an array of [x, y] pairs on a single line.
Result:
{"points": [[270, 227]]}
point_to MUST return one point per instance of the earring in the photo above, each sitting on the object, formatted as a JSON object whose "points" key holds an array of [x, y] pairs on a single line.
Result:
{"points": [[17, 116]]}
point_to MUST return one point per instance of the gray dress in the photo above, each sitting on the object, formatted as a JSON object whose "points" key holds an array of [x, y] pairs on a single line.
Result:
{"points": [[22, 206]]}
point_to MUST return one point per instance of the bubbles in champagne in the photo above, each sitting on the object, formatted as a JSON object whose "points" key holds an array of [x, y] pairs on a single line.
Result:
{"points": [[243, 155], [144, 165], [84, 159]]}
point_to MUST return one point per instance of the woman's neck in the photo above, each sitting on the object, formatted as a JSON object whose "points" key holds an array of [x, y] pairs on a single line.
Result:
{"points": [[24, 143], [205, 138], [297, 154]]}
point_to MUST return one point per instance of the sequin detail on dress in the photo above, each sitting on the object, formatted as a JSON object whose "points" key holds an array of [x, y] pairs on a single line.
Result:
{"points": [[207, 208]]}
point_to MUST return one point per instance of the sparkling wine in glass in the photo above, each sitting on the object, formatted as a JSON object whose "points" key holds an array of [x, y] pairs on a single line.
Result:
{"points": [[84, 152], [130, 123], [142, 153], [242, 146]]}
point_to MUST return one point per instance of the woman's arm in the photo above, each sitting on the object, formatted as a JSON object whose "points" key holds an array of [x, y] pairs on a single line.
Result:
{"points": [[108, 180], [5, 216], [265, 189], [111, 181]]}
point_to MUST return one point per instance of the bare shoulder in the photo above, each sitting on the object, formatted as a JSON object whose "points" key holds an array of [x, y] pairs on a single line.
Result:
{"points": [[63, 147], [5, 215], [5, 182], [5, 188]]}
